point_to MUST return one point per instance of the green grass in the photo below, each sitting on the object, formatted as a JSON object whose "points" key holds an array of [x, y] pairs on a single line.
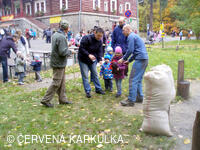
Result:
{"points": [[170, 56], [184, 42], [21, 112]]}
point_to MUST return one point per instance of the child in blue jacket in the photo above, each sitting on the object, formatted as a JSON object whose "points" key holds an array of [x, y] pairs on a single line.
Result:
{"points": [[37, 67], [106, 71]]}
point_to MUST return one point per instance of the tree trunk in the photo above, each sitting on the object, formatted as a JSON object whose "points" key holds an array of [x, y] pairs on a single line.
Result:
{"points": [[151, 16], [160, 12], [196, 133]]}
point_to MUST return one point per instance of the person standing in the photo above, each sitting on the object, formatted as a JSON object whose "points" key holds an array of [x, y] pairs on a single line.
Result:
{"points": [[90, 52], [106, 72], [36, 64], [22, 45], [78, 38], [28, 37], [181, 34], [19, 68], [137, 49], [6, 43], [59, 54], [118, 70], [118, 38], [48, 35]]}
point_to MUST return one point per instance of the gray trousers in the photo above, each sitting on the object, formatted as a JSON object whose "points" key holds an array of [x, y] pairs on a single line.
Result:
{"points": [[37, 75], [57, 86]]}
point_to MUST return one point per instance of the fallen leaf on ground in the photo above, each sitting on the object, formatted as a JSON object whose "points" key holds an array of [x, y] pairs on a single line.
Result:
{"points": [[99, 146], [107, 130], [187, 141]]}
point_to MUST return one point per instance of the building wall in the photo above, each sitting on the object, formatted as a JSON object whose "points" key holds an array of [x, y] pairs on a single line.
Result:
{"points": [[53, 7], [89, 20], [87, 6]]}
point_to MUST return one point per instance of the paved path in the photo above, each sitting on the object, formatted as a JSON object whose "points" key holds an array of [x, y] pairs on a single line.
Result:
{"points": [[183, 116], [47, 81]]}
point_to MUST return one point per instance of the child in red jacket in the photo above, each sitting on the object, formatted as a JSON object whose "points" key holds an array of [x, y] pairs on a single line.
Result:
{"points": [[118, 70]]}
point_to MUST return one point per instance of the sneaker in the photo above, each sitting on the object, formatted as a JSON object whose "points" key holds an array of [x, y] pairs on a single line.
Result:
{"points": [[100, 92], [20, 83], [127, 103], [40, 80], [47, 104], [117, 95], [66, 103], [7, 81], [88, 95]]}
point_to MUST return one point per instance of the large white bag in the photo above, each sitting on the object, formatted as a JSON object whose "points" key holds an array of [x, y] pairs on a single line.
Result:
{"points": [[167, 70], [159, 92]]}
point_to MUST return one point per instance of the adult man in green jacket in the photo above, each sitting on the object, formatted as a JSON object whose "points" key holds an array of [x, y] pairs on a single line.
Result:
{"points": [[58, 62]]}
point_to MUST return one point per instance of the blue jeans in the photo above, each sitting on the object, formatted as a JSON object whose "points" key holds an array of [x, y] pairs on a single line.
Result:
{"points": [[4, 62], [135, 79], [21, 76], [48, 40], [119, 86], [84, 73]]}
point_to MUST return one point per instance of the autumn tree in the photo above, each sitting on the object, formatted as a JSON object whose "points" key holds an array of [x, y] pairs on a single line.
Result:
{"points": [[187, 14]]}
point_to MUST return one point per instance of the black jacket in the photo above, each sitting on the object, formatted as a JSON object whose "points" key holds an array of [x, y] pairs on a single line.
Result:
{"points": [[6, 43], [89, 45]]}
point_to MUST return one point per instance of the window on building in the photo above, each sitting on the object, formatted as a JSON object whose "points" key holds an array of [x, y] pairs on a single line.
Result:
{"points": [[96, 4], [113, 5], [127, 6], [64, 4], [105, 6], [40, 6], [120, 8], [28, 8]]}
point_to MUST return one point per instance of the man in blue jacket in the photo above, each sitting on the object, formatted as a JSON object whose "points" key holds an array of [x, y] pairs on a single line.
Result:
{"points": [[137, 49], [118, 38], [6, 43], [90, 52]]}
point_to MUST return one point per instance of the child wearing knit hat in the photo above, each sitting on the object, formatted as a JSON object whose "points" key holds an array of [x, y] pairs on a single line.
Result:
{"points": [[110, 52], [118, 70], [106, 71], [37, 63], [19, 68]]}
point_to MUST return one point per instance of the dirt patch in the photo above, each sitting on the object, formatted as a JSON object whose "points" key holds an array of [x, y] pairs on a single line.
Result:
{"points": [[47, 82]]}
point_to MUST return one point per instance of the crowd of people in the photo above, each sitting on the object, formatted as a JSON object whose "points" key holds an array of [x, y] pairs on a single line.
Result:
{"points": [[15, 41], [113, 53], [110, 50]]}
